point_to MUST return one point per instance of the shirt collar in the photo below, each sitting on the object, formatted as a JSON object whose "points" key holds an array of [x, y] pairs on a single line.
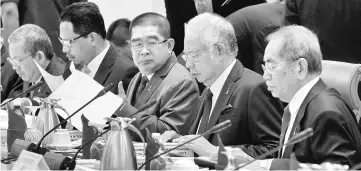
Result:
{"points": [[149, 76], [94, 64], [216, 87], [300, 96]]}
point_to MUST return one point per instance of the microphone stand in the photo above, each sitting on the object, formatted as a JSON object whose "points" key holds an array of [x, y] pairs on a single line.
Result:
{"points": [[219, 127], [71, 164], [31, 88], [109, 86], [295, 139]]}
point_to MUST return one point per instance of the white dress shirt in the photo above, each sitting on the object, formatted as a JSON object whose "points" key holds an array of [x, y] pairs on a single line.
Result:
{"points": [[217, 86], [295, 105], [149, 76], [94, 64]]}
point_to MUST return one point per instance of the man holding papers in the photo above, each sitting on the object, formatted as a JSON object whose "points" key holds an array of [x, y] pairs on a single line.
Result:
{"points": [[29, 45], [82, 33], [161, 80], [233, 92]]}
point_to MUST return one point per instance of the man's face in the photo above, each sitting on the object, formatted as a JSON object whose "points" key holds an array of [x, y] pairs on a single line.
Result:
{"points": [[23, 63], [280, 78], [76, 47], [150, 50], [199, 60]]}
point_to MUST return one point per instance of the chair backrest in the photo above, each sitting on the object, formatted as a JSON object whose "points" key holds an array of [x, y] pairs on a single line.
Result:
{"points": [[345, 78]]}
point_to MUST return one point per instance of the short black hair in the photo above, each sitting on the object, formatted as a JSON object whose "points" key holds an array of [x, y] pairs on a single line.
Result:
{"points": [[119, 38], [85, 17], [152, 19]]}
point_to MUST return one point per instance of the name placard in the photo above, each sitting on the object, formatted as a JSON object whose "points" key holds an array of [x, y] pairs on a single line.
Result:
{"points": [[30, 161]]}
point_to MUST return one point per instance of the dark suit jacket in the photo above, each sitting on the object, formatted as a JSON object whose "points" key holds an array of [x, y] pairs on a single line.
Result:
{"points": [[336, 137], [17, 125], [336, 23], [176, 97], [112, 69], [256, 115], [249, 21]]}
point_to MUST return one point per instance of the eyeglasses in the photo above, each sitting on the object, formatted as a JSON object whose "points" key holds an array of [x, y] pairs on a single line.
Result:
{"points": [[68, 42], [270, 68], [16, 62], [186, 56], [151, 44]]}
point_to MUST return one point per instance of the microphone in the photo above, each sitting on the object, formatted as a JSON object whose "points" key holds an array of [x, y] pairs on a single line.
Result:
{"points": [[61, 162], [217, 128], [102, 92], [31, 88], [295, 139]]}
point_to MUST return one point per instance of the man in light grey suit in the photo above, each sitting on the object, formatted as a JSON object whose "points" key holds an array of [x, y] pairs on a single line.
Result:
{"points": [[161, 79]]}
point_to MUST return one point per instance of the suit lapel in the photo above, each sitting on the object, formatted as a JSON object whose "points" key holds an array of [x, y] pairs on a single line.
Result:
{"points": [[155, 81], [225, 94], [133, 88], [316, 89], [105, 67]]}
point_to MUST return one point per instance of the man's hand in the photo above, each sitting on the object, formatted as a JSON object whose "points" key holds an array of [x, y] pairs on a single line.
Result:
{"points": [[241, 156], [121, 91], [16, 104], [169, 135], [200, 146]]}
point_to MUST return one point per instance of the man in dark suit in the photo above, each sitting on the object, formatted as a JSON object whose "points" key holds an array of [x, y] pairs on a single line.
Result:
{"points": [[248, 22], [82, 33], [161, 79], [15, 13], [27, 44], [292, 73], [233, 92]]}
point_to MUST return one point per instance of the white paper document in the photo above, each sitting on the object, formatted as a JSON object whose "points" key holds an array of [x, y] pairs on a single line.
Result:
{"points": [[103, 106], [77, 90], [52, 81]]}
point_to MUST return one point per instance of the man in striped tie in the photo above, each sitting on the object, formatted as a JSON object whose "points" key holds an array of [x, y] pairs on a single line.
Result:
{"points": [[233, 92]]}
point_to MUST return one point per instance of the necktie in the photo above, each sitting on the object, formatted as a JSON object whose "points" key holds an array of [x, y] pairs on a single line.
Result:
{"points": [[85, 69], [141, 87], [26, 86], [206, 112], [285, 122]]}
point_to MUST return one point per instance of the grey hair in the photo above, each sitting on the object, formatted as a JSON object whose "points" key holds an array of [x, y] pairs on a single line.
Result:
{"points": [[299, 42], [214, 29], [34, 39]]}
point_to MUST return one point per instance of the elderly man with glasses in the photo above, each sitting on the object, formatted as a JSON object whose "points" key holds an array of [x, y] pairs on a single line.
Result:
{"points": [[233, 92], [293, 64], [164, 85], [82, 33], [29, 44]]}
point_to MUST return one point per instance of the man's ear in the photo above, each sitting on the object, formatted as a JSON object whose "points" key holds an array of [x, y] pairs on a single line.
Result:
{"points": [[92, 38], [171, 43], [221, 49], [40, 58], [302, 68]]}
